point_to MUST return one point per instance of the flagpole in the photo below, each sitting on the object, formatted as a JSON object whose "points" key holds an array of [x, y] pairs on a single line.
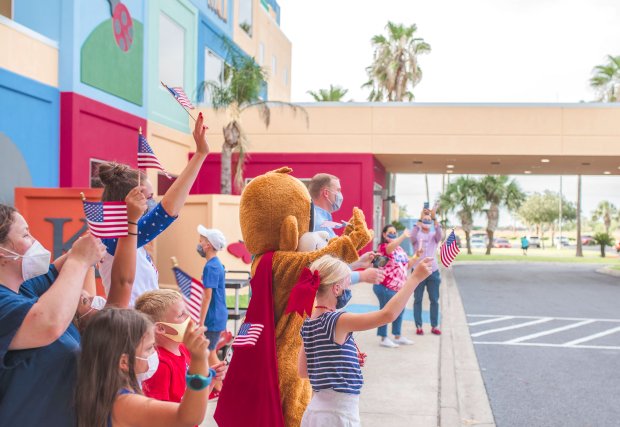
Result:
{"points": [[83, 196], [182, 106], [139, 133], [175, 263]]}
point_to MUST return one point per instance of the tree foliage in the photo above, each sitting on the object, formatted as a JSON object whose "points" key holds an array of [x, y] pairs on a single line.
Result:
{"points": [[333, 94], [605, 211], [603, 240], [463, 197], [606, 80]]}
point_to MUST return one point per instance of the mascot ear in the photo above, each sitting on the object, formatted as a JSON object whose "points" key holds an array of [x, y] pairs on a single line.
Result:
{"points": [[289, 234], [284, 170]]}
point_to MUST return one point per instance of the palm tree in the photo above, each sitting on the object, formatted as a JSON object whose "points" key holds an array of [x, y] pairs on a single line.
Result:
{"points": [[463, 197], [395, 71], [605, 211], [240, 89], [606, 80], [603, 240], [498, 191], [333, 94]]}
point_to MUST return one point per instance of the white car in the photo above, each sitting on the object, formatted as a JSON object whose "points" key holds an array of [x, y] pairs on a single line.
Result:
{"points": [[478, 242], [564, 240]]}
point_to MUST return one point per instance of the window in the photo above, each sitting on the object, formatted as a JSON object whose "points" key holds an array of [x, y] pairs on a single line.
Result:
{"points": [[274, 65], [171, 51], [245, 16], [285, 76], [218, 7], [261, 54], [214, 71]]}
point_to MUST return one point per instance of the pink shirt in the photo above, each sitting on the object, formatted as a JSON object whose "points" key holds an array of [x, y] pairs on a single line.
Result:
{"points": [[396, 269]]}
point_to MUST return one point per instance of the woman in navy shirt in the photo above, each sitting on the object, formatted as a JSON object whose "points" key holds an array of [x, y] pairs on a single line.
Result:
{"points": [[38, 342]]}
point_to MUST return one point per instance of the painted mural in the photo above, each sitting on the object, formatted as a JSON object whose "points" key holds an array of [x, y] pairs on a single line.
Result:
{"points": [[112, 55]]}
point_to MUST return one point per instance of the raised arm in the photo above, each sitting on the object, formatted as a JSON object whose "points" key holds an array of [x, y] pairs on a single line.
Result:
{"points": [[124, 264], [51, 315], [438, 232], [350, 322], [176, 195], [396, 242]]}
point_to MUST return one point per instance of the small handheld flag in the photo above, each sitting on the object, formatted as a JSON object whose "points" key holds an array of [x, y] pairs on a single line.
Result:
{"points": [[449, 250], [146, 156], [248, 334], [192, 291], [179, 94], [106, 220]]}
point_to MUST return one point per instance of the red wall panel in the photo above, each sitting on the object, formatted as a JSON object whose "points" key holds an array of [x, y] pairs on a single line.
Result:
{"points": [[90, 129]]}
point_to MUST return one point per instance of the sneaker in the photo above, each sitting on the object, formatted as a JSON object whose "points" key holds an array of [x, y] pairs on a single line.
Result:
{"points": [[403, 341], [386, 342], [214, 395], [419, 331], [435, 331]]}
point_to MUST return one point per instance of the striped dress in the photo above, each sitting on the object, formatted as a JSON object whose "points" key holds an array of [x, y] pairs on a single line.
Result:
{"points": [[330, 365]]}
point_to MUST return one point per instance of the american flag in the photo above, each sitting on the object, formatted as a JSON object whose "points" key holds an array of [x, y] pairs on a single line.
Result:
{"points": [[181, 97], [192, 291], [146, 156], [449, 250], [106, 220], [248, 334]]}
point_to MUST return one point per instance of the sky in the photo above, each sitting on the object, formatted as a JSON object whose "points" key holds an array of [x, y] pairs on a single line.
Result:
{"points": [[482, 51]]}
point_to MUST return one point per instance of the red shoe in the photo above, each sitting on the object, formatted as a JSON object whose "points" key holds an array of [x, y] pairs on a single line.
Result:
{"points": [[214, 395], [419, 331], [435, 331]]}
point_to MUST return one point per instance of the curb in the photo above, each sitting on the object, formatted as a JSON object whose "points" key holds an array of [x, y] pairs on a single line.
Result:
{"points": [[608, 271], [462, 397]]}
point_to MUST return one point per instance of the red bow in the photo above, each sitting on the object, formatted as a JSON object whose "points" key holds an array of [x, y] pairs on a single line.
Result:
{"points": [[303, 293]]}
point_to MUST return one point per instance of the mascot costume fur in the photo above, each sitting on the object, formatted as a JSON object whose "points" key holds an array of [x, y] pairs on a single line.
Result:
{"points": [[262, 387]]}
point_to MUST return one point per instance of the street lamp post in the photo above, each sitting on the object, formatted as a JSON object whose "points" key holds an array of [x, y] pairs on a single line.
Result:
{"points": [[560, 218]]}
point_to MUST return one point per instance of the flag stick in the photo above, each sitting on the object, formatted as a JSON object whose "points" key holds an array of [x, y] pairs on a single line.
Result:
{"points": [[83, 196], [139, 133], [182, 106], [174, 261]]}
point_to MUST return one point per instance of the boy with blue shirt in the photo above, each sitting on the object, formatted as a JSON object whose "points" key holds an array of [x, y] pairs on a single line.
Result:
{"points": [[213, 313]]}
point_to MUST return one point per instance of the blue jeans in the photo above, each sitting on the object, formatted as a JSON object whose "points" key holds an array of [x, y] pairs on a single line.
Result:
{"points": [[431, 283], [384, 295]]}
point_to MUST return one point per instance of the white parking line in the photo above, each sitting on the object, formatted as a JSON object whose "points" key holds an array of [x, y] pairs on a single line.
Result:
{"points": [[507, 328], [592, 337], [496, 319], [539, 317], [549, 332], [539, 344]]}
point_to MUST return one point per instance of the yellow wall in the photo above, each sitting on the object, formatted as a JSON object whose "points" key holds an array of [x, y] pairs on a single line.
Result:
{"points": [[266, 30], [27, 53], [180, 240]]}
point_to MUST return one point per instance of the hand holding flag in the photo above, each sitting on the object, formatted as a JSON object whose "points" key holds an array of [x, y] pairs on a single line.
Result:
{"points": [[179, 94], [106, 220]]}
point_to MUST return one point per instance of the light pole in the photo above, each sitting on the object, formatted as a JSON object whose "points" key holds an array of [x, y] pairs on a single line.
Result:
{"points": [[560, 218]]}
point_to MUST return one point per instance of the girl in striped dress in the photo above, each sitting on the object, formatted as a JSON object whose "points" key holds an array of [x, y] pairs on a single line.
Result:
{"points": [[329, 357]]}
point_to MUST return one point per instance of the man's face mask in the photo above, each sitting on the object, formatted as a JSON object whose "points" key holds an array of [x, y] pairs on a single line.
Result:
{"points": [[179, 327], [338, 199]]}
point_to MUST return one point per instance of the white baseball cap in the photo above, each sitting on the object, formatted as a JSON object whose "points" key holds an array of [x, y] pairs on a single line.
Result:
{"points": [[214, 236]]}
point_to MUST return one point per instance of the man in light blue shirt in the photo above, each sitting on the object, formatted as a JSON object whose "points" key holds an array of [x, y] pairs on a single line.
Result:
{"points": [[327, 197]]}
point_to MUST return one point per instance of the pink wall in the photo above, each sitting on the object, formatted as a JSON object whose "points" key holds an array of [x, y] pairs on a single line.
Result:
{"points": [[357, 173], [90, 129]]}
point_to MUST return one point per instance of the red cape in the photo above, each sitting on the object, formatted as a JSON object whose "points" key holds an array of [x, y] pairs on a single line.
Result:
{"points": [[250, 393]]}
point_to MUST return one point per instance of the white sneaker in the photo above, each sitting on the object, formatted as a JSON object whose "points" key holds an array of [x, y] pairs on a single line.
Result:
{"points": [[386, 342], [403, 341]]}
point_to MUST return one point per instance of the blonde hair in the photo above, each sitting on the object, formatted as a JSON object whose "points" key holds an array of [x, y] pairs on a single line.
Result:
{"points": [[331, 270], [156, 303]]}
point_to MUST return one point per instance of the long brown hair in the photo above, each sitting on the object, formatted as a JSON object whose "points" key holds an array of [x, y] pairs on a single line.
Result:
{"points": [[7, 218], [110, 333], [118, 180]]}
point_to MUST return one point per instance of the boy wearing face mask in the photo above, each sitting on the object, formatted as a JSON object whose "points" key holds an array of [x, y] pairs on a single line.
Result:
{"points": [[213, 313], [165, 379], [426, 241]]}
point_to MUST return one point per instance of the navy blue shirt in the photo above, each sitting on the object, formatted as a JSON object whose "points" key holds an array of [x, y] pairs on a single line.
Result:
{"points": [[213, 277], [37, 384]]}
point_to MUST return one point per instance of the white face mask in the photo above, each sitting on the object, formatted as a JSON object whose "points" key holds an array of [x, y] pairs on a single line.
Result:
{"points": [[96, 304], [153, 363], [35, 262]]}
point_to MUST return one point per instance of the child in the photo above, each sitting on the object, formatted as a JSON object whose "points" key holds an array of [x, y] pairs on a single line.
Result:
{"points": [[329, 357], [167, 309], [118, 353], [213, 314]]}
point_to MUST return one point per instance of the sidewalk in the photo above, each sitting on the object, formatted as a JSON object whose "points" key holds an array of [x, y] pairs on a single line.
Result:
{"points": [[434, 382]]}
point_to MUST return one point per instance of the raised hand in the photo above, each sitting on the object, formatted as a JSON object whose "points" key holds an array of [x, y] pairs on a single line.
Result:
{"points": [[87, 249], [136, 204], [423, 269], [195, 341], [200, 136]]}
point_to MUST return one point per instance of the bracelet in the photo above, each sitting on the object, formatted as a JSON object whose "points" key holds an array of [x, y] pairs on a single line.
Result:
{"points": [[132, 223], [132, 234]]}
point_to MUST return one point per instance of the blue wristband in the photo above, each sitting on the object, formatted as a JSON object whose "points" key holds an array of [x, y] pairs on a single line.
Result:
{"points": [[199, 382]]}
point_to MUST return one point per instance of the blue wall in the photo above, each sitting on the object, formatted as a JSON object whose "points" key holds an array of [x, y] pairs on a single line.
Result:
{"points": [[207, 15], [40, 16], [32, 125]]}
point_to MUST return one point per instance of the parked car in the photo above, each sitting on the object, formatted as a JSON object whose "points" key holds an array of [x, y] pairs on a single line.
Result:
{"points": [[500, 242], [587, 240], [563, 240], [535, 242], [477, 242]]}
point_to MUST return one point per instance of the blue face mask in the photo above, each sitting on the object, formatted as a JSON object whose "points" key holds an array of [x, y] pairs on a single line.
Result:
{"points": [[200, 250], [391, 236], [343, 299], [427, 222], [337, 202]]}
